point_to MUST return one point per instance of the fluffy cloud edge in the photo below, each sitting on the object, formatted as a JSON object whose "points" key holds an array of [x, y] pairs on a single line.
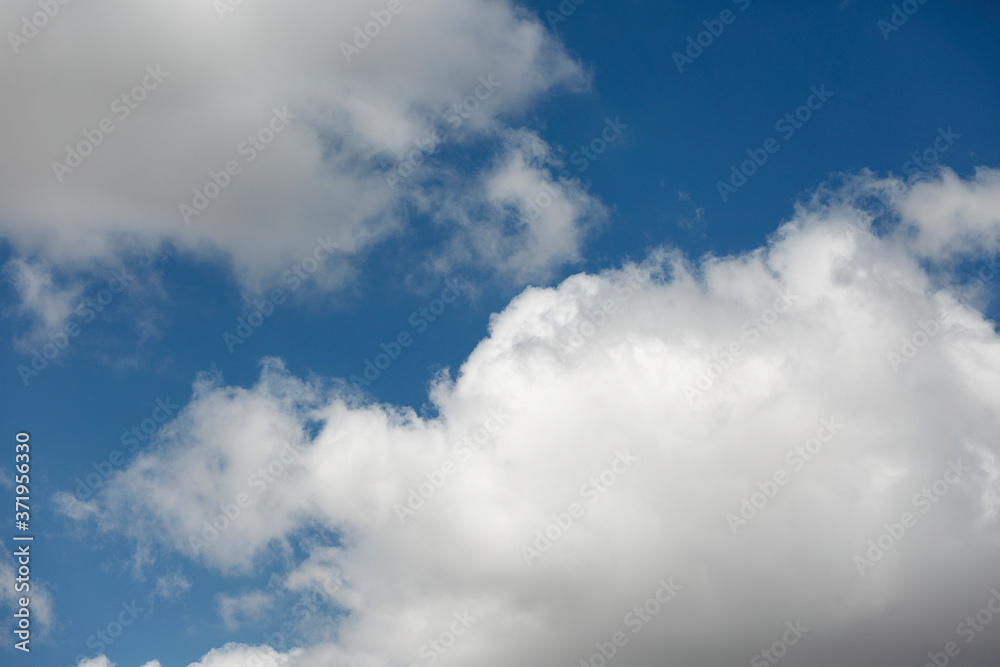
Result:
{"points": [[830, 333]]}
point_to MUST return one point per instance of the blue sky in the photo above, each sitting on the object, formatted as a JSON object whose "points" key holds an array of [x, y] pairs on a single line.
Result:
{"points": [[475, 235]]}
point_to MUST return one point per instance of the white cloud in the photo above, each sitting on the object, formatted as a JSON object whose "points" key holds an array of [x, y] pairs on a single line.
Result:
{"points": [[66, 503], [955, 217], [519, 217], [171, 586], [99, 661], [635, 360], [102, 661], [237, 608], [41, 607], [47, 304], [694, 221], [240, 655], [207, 84]]}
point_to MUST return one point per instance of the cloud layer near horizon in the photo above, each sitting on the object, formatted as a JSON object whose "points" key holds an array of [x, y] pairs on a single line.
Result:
{"points": [[833, 358]]}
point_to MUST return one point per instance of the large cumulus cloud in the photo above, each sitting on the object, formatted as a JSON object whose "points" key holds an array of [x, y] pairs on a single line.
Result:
{"points": [[833, 379]]}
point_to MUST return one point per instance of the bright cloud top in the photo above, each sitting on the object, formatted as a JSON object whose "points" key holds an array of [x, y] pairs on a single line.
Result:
{"points": [[781, 451]]}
